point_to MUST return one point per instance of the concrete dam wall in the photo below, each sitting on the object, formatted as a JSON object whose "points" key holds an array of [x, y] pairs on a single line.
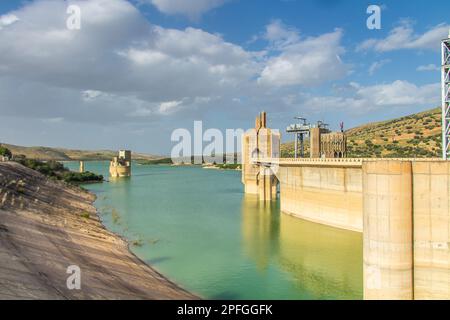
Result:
{"points": [[402, 207], [327, 195]]}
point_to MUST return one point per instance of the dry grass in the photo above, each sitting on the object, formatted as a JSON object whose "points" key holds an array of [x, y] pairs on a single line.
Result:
{"points": [[417, 135], [60, 154]]}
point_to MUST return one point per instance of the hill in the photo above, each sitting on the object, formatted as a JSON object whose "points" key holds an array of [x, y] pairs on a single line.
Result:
{"points": [[417, 135], [60, 154]]}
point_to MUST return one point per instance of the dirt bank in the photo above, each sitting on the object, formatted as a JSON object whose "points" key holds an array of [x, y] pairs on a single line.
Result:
{"points": [[47, 226]]}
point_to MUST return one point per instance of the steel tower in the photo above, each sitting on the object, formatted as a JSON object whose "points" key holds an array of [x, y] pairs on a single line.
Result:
{"points": [[445, 85]]}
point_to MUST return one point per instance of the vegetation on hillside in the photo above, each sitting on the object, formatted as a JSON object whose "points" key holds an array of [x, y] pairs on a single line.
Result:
{"points": [[155, 162], [417, 135], [414, 136], [56, 170], [5, 152]]}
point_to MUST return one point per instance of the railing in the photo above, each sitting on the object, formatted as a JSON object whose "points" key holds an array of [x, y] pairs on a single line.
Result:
{"points": [[344, 162]]}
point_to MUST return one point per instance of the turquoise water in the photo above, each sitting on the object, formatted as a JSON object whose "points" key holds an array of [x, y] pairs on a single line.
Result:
{"points": [[197, 228]]}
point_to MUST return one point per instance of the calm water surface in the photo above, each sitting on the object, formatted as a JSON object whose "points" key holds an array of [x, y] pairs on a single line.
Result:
{"points": [[198, 228]]}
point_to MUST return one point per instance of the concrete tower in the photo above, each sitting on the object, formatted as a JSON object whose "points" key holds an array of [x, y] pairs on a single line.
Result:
{"points": [[260, 143]]}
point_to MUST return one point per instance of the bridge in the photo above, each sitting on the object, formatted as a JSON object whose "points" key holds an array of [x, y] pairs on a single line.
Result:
{"points": [[402, 207]]}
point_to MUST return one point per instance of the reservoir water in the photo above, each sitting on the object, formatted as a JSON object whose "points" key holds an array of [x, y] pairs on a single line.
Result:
{"points": [[197, 227]]}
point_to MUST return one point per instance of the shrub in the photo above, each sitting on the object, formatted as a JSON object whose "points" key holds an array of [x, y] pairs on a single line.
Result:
{"points": [[85, 215], [56, 170], [5, 152]]}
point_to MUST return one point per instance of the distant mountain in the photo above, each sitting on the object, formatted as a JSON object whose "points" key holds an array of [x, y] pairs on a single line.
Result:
{"points": [[60, 154], [417, 135]]}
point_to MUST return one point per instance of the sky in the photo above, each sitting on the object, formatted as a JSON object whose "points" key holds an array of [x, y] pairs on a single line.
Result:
{"points": [[134, 71]]}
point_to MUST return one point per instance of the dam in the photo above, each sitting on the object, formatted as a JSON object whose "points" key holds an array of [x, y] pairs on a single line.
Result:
{"points": [[401, 206]]}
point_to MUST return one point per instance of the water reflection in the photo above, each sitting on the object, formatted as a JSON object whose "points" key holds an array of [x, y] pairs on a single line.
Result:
{"points": [[325, 263]]}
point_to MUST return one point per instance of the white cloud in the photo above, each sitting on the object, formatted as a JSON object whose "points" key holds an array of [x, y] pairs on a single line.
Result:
{"points": [[121, 69], [169, 106], [191, 8], [89, 95], [116, 56], [311, 61], [281, 35], [362, 99], [428, 67], [7, 19], [400, 93], [378, 65], [404, 37]]}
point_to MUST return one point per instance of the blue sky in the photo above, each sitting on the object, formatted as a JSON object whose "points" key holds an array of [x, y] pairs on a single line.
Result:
{"points": [[137, 70]]}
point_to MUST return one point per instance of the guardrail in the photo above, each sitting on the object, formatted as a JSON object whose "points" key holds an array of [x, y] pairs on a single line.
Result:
{"points": [[344, 162]]}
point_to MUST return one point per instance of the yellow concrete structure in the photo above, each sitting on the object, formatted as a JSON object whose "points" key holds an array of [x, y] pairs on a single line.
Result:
{"points": [[402, 207], [257, 143], [431, 216], [326, 144], [388, 230], [327, 195], [333, 145], [81, 166], [121, 166]]}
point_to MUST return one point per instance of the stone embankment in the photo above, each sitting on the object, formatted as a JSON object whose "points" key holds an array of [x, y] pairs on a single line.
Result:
{"points": [[47, 226]]}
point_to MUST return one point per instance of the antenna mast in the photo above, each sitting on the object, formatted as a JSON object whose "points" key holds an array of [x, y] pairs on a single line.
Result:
{"points": [[445, 86]]}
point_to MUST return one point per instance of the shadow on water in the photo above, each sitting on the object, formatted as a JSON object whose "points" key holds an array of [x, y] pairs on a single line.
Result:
{"points": [[225, 296], [157, 260]]}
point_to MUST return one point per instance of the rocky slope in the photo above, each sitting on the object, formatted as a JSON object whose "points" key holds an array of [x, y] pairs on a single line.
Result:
{"points": [[47, 226]]}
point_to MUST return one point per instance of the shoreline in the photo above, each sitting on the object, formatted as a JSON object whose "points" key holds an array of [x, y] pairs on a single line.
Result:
{"points": [[128, 244], [47, 226]]}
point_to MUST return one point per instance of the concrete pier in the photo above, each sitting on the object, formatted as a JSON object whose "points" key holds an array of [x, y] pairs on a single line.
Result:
{"points": [[267, 185], [431, 216], [388, 231]]}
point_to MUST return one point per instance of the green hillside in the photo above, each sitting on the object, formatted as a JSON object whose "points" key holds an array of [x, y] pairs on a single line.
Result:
{"points": [[417, 135]]}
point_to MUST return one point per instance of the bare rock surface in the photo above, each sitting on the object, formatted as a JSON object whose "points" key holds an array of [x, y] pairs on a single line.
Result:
{"points": [[47, 226]]}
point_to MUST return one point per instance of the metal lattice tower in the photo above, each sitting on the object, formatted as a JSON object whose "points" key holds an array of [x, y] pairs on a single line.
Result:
{"points": [[445, 84], [300, 130]]}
